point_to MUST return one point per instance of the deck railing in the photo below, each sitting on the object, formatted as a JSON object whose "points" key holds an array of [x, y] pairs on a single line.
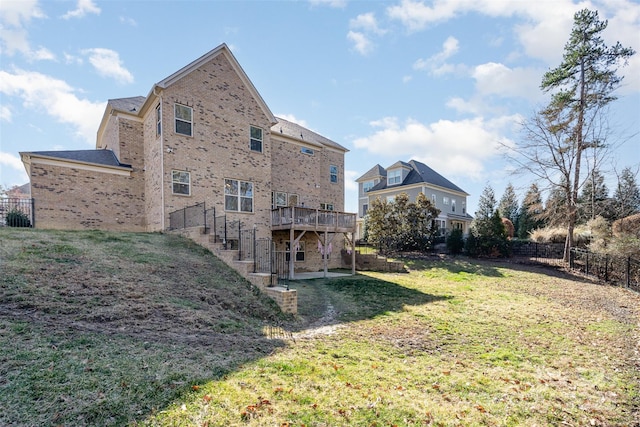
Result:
{"points": [[295, 216]]}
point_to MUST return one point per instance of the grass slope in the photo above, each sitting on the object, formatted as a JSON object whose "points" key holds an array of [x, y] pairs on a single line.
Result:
{"points": [[102, 328], [150, 330]]}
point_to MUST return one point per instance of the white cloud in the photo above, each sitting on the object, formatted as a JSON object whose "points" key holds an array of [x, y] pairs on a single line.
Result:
{"points": [[108, 64], [415, 15], [338, 4], [366, 22], [436, 64], [5, 114], [55, 97], [11, 160], [293, 119], [14, 16], [457, 147], [84, 7], [361, 42], [497, 79], [128, 21], [350, 177]]}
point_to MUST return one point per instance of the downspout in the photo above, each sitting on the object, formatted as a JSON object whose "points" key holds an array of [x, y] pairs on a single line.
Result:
{"points": [[161, 160]]}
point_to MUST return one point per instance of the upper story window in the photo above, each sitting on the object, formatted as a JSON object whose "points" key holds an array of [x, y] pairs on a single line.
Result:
{"points": [[394, 177], [256, 139], [279, 199], [305, 150], [326, 206], [184, 119], [433, 199], [293, 200], [158, 120], [445, 201], [333, 173], [453, 205], [181, 183], [464, 207], [366, 186], [365, 209], [238, 195]]}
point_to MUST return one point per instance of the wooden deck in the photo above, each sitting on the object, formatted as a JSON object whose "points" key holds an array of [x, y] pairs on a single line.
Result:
{"points": [[299, 218]]}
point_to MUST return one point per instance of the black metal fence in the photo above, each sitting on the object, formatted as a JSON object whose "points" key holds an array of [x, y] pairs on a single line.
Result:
{"points": [[191, 216], [16, 212], [617, 270], [233, 237], [537, 251]]}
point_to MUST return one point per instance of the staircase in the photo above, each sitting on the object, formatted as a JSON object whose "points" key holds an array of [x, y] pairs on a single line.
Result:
{"points": [[287, 299]]}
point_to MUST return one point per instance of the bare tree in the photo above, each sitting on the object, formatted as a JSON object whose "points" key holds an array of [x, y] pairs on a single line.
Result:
{"points": [[559, 138]]}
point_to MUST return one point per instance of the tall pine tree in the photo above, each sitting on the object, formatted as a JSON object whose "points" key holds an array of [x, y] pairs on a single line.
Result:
{"points": [[626, 198]]}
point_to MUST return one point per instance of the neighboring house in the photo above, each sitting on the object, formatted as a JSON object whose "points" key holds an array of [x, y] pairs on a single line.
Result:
{"points": [[202, 135], [19, 192], [414, 178]]}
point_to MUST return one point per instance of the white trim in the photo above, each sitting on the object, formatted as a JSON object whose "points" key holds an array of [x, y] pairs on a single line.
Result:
{"points": [[92, 167]]}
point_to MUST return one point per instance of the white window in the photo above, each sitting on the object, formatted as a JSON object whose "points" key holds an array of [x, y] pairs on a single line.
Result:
{"points": [[158, 120], [464, 207], [366, 186], [433, 199], [256, 139], [299, 251], [293, 200], [184, 120], [326, 206], [453, 205], [279, 199], [305, 150], [391, 199], [394, 177], [238, 195], [445, 201], [333, 173], [181, 183], [365, 208]]}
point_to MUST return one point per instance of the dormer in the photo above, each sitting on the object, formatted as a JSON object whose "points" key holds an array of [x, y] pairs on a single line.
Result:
{"points": [[397, 172]]}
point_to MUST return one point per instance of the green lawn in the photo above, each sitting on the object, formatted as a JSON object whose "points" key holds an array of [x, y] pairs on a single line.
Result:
{"points": [[164, 337]]}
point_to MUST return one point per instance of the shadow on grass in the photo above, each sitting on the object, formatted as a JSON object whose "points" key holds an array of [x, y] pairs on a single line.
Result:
{"points": [[454, 265], [332, 301]]}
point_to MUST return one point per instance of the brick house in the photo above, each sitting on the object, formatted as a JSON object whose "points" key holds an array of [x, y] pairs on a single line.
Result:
{"points": [[203, 135], [412, 178]]}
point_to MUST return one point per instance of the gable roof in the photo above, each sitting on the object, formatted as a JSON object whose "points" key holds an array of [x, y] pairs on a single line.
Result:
{"points": [[419, 173], [300, 133], [129, 105], [96, 157], [137, 105], [222, 49], [374, 172]]}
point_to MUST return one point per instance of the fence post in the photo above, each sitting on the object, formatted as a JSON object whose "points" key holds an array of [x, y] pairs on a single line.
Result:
{"points": [[33, 212], [224, 241], [628, 271], [204, 214], [255, 248], [184, 218], [586, 264], [239, 240], [606, 268]]}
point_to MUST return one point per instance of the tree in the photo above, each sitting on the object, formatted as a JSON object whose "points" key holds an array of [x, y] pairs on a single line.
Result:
{"points": [[402, 225], [555, 208], [508, 206], [531, 212], [594, 200], [488, 235], [626, 198], [558, 137]]}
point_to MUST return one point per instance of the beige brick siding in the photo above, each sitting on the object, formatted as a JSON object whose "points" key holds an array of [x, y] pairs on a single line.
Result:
{"points": [[223, 111], [71, 198]]}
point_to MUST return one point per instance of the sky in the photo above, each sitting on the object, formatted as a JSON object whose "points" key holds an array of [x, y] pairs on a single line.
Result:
{"points": [[447, 83]]}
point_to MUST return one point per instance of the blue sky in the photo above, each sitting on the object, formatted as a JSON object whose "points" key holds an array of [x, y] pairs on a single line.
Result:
{"points": [[442, 82]]}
